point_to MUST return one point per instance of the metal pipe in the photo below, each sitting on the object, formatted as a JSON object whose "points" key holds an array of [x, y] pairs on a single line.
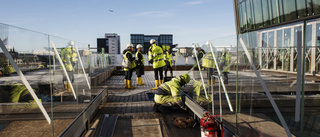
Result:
{"points": [[223, 86], [84, 72], [64, 69], [205, 91]]}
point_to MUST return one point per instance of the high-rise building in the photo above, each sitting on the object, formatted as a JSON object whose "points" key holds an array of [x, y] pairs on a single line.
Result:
{"points": [[144, 40], [111, 43]]}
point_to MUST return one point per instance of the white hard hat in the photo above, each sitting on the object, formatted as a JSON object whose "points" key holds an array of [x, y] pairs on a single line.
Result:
{"points": [[139, 46], [129, 45], [71, 43], [208, 43], [152, 41]]}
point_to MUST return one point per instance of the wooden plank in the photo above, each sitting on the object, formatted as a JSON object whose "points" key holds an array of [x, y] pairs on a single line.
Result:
{"points": [[143, 128]]}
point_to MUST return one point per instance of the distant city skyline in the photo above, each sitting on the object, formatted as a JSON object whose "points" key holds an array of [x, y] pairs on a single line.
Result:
{"points": [[84, 21]]}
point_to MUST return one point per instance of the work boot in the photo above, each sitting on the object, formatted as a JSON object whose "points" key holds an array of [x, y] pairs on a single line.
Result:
{"points": [[156, 83], [125, 83], [161, 81], [141, 83], [130, 84], [69, 87], [209, 82], [138, 81], [65, 85]]}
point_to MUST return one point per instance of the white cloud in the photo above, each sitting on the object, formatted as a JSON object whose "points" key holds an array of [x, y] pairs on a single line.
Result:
{"points": [[194, 2], [156, 14]]}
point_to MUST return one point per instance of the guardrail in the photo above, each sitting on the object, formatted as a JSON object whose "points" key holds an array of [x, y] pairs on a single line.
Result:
{"points": [[81, 123]]}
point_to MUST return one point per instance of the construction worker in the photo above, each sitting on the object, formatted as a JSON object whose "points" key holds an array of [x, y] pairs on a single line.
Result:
{"points": [[200, 98], [168, 94], [69, 59], [168, 60], [209, 64], [156, 58], [140, 65], [200, 54], [225, 60], [127, 55]]}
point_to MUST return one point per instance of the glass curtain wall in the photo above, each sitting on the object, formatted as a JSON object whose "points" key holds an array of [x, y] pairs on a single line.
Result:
{"points": [[257, 14]]}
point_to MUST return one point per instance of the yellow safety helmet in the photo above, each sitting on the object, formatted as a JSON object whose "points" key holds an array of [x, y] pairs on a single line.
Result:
{"points": [[186, 78]]}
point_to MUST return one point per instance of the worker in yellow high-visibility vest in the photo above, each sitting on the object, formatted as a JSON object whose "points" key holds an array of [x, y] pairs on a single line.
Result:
{"points": [[129, 59], [140, 65], [156, 58], [69, 58], [225, 60]]}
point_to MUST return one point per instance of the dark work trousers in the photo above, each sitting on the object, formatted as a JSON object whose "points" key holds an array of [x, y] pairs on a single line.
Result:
{"points": [[168, 67], [225, 81], [128, 74], [71, 77], [210, 72], [158, 71]]}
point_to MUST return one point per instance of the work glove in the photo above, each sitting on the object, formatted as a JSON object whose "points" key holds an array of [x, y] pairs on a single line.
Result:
{"points": [[150, 61], [184, 107]]}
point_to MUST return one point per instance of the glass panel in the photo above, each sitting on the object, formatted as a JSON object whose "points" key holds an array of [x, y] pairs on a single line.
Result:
{"points": [[309, 7], [301, 8], [318, 48], [275, 12], [286, 52], [271, 50], [279, 49], [258, 13], [316, 6], [249, 15], [264, 50], [289, 10], [244, 17], [308, 47], [297, 41], [265, 11]]}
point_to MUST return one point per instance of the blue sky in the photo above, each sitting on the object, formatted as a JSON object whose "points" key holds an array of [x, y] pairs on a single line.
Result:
{"points": [[86, 20]]}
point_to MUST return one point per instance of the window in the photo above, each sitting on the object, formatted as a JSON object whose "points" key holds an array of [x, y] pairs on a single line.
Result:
{"points": [[275, 11], [265, 13], [289, 10], [287, 37], [258, 13], [249, 14], [301, 8]]}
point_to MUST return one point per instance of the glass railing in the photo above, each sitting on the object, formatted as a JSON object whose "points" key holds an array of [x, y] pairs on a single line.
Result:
{"points": [[263, 87], [34, 85]]}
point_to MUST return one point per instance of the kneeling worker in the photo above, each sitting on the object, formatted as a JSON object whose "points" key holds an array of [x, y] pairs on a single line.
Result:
{"points": [[168, 94], [201, 99]]}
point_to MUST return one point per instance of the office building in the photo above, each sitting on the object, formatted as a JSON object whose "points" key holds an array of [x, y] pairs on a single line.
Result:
{"points": [[111, 44]]}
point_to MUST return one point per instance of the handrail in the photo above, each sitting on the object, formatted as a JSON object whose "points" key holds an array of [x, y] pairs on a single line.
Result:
{"points": [[80, 123]]}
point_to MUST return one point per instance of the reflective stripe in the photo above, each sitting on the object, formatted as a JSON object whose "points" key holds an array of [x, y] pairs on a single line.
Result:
{"points": [[157, 54], [176, 96], [157, 60]]}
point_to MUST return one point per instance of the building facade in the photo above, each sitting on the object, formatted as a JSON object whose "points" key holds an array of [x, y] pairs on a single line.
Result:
{"points": [[144, 40], [111, 43], [282, 37]]}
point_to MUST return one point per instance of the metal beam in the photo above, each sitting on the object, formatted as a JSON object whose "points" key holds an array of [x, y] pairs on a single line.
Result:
{"points": [[76, 128]]}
